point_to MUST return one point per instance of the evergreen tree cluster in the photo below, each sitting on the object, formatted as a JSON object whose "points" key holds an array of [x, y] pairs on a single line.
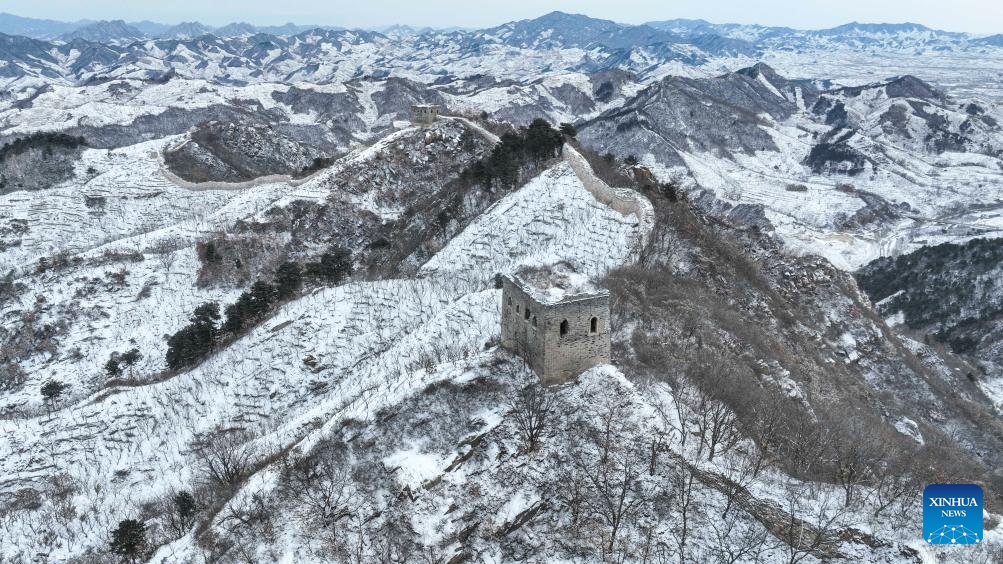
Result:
{"points": [[117, 361], [507, 162], [333, 266], [204, 332], [196, 340], [129, 539], [44, 140], [950, 290]]}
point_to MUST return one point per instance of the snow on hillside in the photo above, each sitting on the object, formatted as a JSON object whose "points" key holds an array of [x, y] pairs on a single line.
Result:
{"points": [[374, 343], [565, 226], [975, 73], [134, 263], [114, 194], [59, 107], [814, 213]]}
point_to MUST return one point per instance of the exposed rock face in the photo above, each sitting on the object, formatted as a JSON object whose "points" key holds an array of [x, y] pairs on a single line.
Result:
{"points": [[230, 152], [718, 115]]}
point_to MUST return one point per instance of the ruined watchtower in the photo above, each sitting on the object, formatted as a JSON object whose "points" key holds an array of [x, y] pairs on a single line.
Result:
{"points": [[556, 320], [424, 115]]}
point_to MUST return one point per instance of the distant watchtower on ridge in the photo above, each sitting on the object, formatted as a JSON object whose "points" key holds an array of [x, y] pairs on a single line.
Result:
{"points": [[556, 320], [424, 115]]}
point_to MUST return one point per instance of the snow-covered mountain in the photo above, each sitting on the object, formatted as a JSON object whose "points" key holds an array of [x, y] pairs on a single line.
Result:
{"points": [[261, 193], [115, 32], [854, 34], [553, 43], [186, 30], [879, 164]]}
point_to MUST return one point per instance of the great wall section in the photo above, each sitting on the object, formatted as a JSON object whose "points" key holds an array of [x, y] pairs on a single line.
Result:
{"points": [[623, 200]]}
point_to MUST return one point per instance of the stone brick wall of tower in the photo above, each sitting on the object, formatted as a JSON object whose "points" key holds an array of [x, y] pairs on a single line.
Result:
{"points": [[567, 356], [554, 357], [424, 115], [518, 333]]}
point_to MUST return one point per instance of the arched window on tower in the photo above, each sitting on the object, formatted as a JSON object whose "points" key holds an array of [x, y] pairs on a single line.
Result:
{"points": [[525, 314], [564, 327], [594, 325], [534, 321]]}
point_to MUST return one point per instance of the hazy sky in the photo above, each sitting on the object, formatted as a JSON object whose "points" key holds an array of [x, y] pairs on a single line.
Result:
{"points": [[978, 16]]}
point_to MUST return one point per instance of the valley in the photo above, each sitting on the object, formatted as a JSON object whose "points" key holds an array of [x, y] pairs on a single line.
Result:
{"points": [[234, 270]]}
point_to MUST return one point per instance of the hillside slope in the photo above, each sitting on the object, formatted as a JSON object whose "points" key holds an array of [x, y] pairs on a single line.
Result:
{"points": [[847, 173], [946, 294], [373, 343]]}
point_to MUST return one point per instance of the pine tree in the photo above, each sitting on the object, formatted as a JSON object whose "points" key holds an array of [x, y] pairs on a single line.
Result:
{"points": [[542, 141], [235, 318], [196, 340], [131, 357], [185, 509], [51, 392], [129, 539], [206, 315], [262, 296], [288, 280], [113, 366], [333, 267]]}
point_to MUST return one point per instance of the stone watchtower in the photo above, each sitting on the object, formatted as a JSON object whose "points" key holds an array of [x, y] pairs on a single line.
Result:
{"points": [[556, 320], [424, 115]]}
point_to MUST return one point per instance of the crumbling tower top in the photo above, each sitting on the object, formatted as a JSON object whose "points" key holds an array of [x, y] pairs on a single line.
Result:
{"points": [[556, 319], [424, 115]]}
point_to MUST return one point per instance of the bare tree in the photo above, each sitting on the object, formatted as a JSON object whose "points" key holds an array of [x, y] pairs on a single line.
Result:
{"points": [[738, 544], [801, 443], [616, 493], [671, 426], [738, 475], [394, 542], [532, 408], [853, 453], [812, 526], [896, 483], [322, 485], [605, 474], [716, 426], [223, 456], [682, 498], [248, 514]]}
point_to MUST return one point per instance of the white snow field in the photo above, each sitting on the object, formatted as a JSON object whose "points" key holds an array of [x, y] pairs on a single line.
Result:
{"points": [[951, 196], [138, 264], [374, 343]]}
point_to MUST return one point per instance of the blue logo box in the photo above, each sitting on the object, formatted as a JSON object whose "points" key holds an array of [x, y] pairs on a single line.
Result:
{"points": [[952, 514]]}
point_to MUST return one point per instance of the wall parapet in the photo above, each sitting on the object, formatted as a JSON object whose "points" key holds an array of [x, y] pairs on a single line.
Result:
{"points": [[623, 200]]}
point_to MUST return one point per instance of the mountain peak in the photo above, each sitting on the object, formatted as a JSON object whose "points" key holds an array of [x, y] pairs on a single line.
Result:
{"points": [[908, 86], [887, 28], [236, 29], [758, 69], [559, 16], [105, 31]]}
